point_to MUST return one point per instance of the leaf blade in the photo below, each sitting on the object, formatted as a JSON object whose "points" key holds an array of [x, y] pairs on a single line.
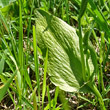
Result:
{"points": [[64, 63], [5, 87]]}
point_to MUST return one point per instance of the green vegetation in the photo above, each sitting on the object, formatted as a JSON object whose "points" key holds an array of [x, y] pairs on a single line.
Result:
{"points": [[54, 54]]}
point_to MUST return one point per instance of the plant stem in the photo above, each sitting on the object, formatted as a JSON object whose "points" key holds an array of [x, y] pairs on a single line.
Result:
{"points": [[81, 50], [97, 93], [28, 45], [49, 98], [101, 60], [67, 9], [20, 54], [36, 64]]}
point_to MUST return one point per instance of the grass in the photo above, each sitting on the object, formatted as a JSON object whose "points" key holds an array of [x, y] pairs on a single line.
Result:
{"points": [[23, 69]]}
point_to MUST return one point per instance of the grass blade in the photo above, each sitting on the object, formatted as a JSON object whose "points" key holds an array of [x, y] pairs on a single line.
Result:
{"points": [[20, 54], [67, 11], [85, 99], [55, 98], [44, 79], [6, 26], [83, 8], [63, 100], [101, 60], [6, 86], [34, 99], [28, 32], [36, 61], [98, 17], [49, 99], [1, 65]]}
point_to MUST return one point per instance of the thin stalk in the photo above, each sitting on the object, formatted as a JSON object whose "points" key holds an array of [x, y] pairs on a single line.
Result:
{"points": [[44, 79], [29, 32], [101, 2], [20, 54], [101, 60], [107, 7], [6, 26], [38, 2], [97, 93], [82, 11], [94, 34], [15, 107], [5, 43], [54, 6], [62, 8], [67, 9], [62, 97], [87, 64], [106, 58], [58, 6], [17, 79], [93, 87], [55, 98], [36, 63], [34, 99], [81, 50], [27, 78], [49, 98]]}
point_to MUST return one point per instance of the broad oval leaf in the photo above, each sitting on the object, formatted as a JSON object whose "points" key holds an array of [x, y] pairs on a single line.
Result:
{"points": [[64, 63]]}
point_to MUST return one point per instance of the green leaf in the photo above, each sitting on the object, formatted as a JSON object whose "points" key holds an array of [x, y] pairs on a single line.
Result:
{"points": [[98, 16], [36, 62], [55, 98], [4, 3], [34, 98], [2, 62], [83, 8], [64, 62], [49, 100], [44, 79], [4, 88]]}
